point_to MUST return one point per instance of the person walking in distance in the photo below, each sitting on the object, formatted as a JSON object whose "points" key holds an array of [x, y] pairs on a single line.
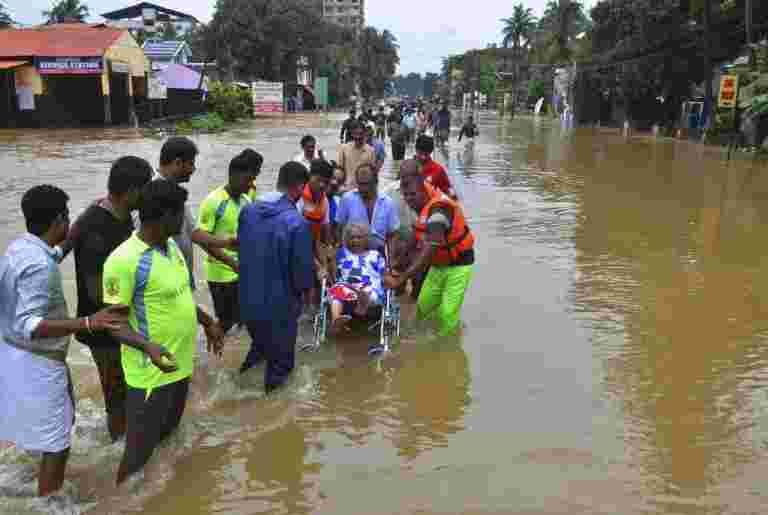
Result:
{"points": [[346, 127], [276, 269], [103, 226], [37, 405], [148, 273], [218, 221], [354, 154]]}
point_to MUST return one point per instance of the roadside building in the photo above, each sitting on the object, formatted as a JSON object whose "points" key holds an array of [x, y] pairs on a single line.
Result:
{"points": [[151, 18], [69, 74], [348, 13], [162, 53]]}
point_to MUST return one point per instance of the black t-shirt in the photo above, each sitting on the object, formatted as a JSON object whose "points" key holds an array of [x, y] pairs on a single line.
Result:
{"points": [[99, 233]]}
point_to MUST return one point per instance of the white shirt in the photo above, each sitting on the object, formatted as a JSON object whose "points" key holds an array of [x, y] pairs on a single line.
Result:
{"points": [[301, 158]]}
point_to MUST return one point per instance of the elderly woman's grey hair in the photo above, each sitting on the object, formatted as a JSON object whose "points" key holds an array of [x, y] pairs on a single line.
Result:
{"points": [[356, 230]]}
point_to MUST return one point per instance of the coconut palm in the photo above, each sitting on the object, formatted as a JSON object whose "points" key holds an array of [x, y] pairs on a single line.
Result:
{"points": [[518, 27], [5, 18], [67, 10]]}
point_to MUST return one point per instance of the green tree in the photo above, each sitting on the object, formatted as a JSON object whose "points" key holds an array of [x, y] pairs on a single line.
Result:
{"points": [[260, 38], [66, 10], [518, 27], [376, 60], [562, 21], [5, 17], [488, 80]]}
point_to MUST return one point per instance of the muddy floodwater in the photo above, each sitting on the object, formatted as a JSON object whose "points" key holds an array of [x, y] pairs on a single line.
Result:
{"points": [[613, 360]]}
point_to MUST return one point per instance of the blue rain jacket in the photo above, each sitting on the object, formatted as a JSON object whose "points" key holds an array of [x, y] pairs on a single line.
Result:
{"points": [[276, 259]]}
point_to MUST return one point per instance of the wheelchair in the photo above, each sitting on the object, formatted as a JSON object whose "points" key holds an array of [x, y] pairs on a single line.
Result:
{"points": [[387, 325]]}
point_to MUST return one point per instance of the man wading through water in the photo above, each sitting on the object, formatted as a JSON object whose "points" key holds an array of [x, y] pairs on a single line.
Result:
{"points": [[276, 269], [105, 225], [445, 243], [149, 273], [37, 406], [217, 221]]}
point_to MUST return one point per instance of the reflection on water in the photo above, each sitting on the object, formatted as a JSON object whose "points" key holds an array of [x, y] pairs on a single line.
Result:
{"points": [[613, 358]]}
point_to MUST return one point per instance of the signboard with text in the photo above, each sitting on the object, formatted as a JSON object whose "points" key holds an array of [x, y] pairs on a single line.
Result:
{"points": [[729, 88], [158, 89], [69, 65], [267, 97]]}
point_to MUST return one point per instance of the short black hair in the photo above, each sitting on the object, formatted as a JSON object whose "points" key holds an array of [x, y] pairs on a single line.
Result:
{"points": [[41, 206], [128, 173], [306, 140], [160, 196], [357, 125], [178, 147], [425, 143], [292, 174], [244, 163], [255, 160], [321, 167]]}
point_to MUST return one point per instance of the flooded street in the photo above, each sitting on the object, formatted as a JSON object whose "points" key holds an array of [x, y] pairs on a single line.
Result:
{"points": [[614, 358]]}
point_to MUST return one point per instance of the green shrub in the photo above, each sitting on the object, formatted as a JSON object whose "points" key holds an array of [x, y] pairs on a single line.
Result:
{"points": [[210, 122], [231, 102]]}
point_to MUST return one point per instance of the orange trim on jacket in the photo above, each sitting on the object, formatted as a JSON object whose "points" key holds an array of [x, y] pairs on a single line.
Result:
{"points": [[459, 240], [315, 212]]}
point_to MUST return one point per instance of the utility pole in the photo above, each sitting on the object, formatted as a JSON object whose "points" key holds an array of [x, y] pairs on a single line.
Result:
{"points": [[748, 20], [708, 60]]}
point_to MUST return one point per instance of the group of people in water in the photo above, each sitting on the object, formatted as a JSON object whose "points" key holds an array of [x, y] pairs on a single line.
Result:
{"points": [[265, 259]]}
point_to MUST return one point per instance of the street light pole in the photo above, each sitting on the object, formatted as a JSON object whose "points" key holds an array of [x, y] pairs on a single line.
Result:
{"points": [[748, 20]]}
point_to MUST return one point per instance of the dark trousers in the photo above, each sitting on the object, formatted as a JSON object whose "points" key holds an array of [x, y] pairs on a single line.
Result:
{"points": [[275, 342], [226, 303], [398, 151], [150, 421]]}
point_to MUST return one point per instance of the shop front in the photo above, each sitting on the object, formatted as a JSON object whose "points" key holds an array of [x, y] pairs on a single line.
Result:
{"points": [[69, 76]]}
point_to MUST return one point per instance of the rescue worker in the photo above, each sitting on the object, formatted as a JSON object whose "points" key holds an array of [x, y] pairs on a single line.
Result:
{"points": [[445, 244]]}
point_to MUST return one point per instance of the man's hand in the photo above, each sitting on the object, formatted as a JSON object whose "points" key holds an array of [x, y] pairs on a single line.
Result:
{"points": [[393, 280], [214, 334], [110, 319], [161, 358], [233, 264]]}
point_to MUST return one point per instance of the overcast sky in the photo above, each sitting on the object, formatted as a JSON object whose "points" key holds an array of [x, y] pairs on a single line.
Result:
{"points": [[427, 30]]}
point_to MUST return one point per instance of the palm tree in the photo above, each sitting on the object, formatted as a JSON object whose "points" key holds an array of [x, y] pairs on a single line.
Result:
{"points": [[518, 27], [67, 10], [5, 18]]}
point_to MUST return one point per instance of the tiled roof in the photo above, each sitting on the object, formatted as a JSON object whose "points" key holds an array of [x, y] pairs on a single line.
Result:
{"points": [[162, 49], [59, 40]]}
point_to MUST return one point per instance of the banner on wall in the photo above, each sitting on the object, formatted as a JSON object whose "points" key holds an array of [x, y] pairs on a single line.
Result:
{"points": [[267, 97]]}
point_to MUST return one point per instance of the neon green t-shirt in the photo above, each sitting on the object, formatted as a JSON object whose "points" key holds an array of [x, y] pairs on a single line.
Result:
{"points": [[157, 288], [219, 215]]}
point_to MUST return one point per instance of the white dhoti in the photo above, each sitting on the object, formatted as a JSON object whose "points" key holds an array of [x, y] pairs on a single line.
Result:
{"points": [[36, 408]]}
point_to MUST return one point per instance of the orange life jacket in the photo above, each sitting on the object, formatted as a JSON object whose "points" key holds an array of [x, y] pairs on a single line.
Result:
{"points": [[459, 240], [315, 212]]}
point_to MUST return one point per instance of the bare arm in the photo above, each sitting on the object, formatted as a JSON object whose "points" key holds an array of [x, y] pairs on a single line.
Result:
{"points": [[208, 241], [108, 319], [215, 246]]}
